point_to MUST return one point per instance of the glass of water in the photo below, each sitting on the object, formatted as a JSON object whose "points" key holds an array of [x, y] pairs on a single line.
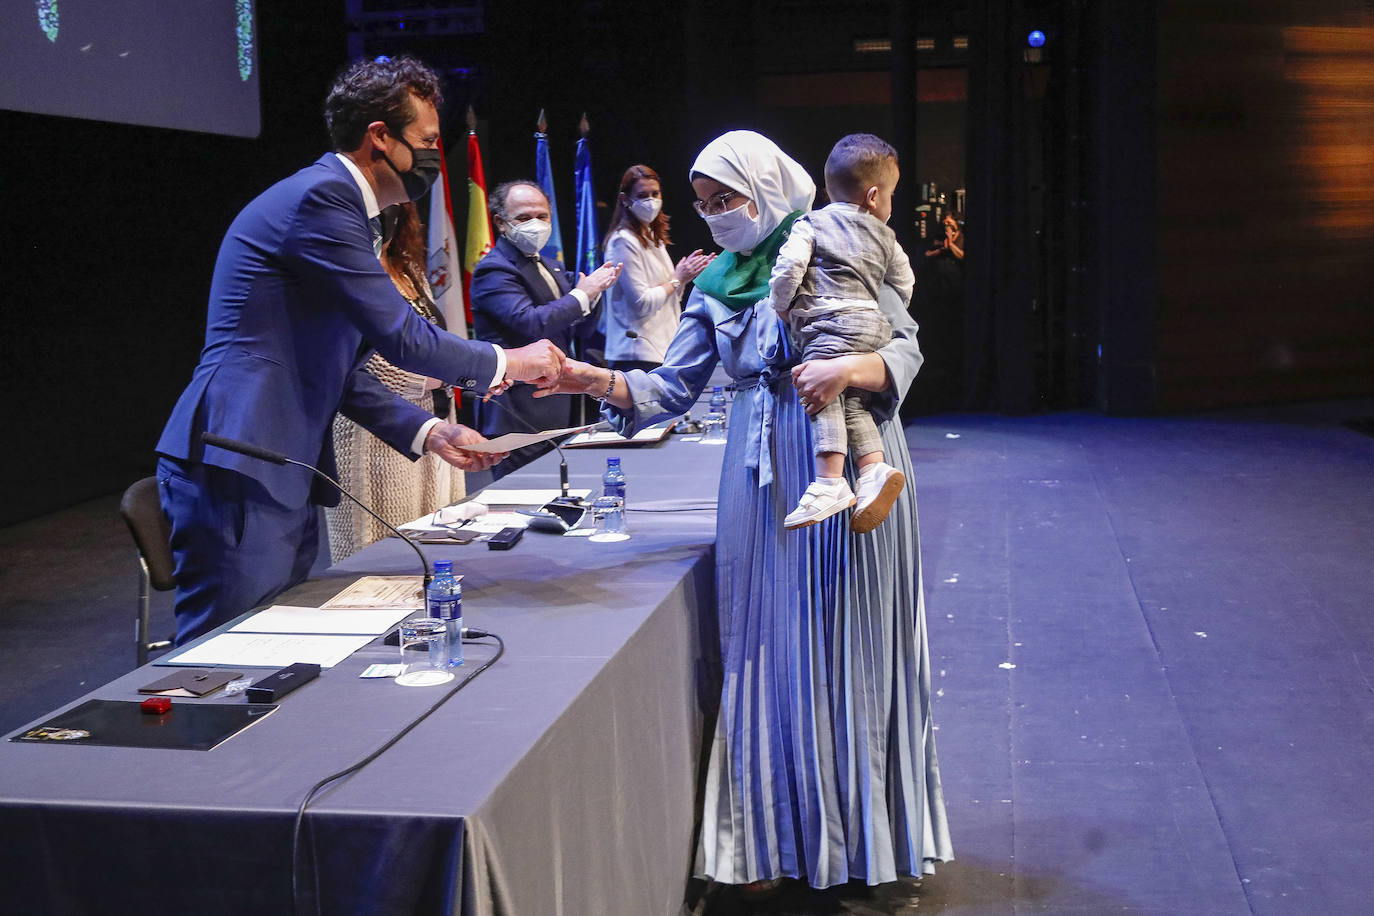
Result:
{"points": [[609, 514], [424, 653]]}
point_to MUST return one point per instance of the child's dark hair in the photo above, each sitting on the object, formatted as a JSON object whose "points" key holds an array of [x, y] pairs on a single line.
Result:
{"points": [[857, 163]]}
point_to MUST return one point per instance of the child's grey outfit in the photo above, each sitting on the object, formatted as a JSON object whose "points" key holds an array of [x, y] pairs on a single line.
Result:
{"points": [[829, 271]]}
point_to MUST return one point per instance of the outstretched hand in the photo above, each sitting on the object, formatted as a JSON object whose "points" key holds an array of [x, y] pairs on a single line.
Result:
{"points": [[447, 440], [577, 378], [539, 363]]}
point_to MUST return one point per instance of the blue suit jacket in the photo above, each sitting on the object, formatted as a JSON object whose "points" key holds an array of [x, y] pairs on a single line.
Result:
{"points": [[512, 306], [298, 302]]}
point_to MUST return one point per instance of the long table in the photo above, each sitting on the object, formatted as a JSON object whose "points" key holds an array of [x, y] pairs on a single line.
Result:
{"points": [[561, 780]]}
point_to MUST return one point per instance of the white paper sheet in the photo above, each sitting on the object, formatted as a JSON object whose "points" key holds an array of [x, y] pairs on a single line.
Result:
{"points": [[270, 650], [283, 618], [512, 441], [376, 592]]}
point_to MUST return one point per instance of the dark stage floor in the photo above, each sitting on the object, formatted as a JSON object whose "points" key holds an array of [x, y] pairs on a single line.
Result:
{"points": [[1151, 639]]}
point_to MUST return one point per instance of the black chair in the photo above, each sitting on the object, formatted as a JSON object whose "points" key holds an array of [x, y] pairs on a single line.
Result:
{"points": [[142, 512]]}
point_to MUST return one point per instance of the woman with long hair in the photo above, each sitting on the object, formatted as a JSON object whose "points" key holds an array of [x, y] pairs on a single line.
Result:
{"points": [[397, 488], [642, 310]]}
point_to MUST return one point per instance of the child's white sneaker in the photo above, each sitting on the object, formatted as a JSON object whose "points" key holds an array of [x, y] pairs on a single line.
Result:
{"points": [[879, 486], [819, 502]]}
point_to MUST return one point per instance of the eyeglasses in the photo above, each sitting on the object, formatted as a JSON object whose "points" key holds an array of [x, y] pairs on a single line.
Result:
{"points": [[716, 203]]}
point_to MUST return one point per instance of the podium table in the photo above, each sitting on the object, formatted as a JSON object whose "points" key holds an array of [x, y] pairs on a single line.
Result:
{"points": [[563, 779]]}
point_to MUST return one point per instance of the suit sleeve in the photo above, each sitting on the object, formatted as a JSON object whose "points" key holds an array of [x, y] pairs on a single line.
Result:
{"points": [[499, 292], [902, 355], [331, 252], [380, 411]]}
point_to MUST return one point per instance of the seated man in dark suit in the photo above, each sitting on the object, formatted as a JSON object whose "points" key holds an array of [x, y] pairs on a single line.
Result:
{"points": [[298, 303], [519, 296]]}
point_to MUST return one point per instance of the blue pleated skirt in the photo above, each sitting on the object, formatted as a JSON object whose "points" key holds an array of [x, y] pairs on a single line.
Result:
{"points": [[823, 762]]}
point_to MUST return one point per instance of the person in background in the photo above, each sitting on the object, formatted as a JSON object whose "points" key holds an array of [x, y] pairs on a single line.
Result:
{"points": [[938, 306], [823, 765], [396, 488], [642, 309], [519, 296]]}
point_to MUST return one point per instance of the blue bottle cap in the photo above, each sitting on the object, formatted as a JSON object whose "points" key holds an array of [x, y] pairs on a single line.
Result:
{"points": [[612, 462], [443, 566]]}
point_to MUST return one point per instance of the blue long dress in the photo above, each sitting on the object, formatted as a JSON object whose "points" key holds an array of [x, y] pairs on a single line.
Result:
{"points": [[823, 761]]}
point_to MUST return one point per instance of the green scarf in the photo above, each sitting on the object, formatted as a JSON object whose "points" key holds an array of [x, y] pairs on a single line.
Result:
{"points": [[738, 281]]}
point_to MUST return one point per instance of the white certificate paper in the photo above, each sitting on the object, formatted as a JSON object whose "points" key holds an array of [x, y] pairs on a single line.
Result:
{"points": [[270, 650], [512, 441], [400, 592]]}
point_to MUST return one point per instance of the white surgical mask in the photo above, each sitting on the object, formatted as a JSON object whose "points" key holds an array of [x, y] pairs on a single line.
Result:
{"points": [[646, 208], [735, 230], [530, 235]]}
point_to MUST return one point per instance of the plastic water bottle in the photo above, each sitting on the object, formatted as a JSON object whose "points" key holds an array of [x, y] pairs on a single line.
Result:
{"points": [[609, 508], [444, 601], [714, 431], [718, 403], [613, 481]]}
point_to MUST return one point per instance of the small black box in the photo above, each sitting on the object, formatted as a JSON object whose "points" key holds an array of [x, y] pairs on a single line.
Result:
{"points": [[279, 683], [505, 539]]}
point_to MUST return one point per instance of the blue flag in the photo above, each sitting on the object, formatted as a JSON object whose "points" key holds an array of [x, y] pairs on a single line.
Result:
{"points": [[543, 176], [588, 243]]}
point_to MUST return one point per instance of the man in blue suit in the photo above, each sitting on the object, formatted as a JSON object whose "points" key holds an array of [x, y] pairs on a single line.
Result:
{"points": [[519, 296], [298, 303]]}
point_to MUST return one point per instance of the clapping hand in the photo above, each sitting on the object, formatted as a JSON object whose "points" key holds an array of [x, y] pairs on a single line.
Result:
{"points": [[689, 267], [599, 280]]}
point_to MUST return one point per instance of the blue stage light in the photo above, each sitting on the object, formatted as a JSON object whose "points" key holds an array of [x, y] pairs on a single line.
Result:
{"points": [[1036, 39]]}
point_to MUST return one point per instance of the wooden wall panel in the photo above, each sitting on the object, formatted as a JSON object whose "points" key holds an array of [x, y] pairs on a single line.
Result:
{"points": [[1265, 257]]}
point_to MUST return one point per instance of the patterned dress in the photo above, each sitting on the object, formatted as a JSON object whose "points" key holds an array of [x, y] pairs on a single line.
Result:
{"points": [[396, 488], [823, 762]]}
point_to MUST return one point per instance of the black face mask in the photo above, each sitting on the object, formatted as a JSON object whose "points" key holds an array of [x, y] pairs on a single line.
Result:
{"points": [[424, 169]]}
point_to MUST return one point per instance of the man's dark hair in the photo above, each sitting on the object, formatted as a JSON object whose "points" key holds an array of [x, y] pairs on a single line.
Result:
{"points": [[496, 203], [857, 163], [377, 90]]}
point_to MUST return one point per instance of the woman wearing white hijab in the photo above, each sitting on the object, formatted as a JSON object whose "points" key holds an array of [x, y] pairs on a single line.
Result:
{"points": [[823, 763]]}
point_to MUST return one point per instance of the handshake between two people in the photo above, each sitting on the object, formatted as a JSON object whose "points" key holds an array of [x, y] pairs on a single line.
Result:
{"points": [[541, 364]]}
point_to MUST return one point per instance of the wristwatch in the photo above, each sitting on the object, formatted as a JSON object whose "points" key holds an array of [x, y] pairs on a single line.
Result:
{"points": [[677, 284]]}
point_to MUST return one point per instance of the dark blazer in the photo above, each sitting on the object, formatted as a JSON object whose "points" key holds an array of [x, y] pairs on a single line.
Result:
{"points": [[298, 302], [512, 306]]}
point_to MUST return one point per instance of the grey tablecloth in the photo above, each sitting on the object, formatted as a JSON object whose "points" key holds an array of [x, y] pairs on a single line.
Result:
{"points": [[561, 780]]}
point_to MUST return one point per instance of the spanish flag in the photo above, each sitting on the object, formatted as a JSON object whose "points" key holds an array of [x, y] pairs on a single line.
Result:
{"points": [[479, 221]]}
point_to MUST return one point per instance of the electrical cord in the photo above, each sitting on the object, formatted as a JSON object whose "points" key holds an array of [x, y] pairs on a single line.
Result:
{"points": [[468, 633]]}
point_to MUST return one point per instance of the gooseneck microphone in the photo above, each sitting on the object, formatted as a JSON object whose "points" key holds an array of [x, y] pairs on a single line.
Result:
{"points": [[266, 454]]}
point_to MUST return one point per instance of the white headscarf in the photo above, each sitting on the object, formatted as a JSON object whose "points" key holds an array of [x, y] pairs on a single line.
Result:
{"points": [[750, 163]]}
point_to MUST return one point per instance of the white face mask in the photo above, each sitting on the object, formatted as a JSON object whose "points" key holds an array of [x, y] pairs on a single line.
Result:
{"points": [[530, 235], [646, 208], [735, 230]]}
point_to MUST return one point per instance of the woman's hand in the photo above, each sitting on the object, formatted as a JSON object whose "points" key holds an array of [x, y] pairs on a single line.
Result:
{"points": [[820, 381], [577, 378], [689, 267]]}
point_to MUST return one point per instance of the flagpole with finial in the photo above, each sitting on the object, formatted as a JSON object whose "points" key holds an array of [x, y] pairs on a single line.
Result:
{"points": [[472, 120], [543, 176]]}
